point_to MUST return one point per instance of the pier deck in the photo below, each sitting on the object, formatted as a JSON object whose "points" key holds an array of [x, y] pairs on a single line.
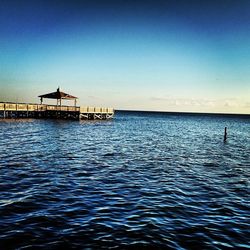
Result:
{"points": [[25, 110]]}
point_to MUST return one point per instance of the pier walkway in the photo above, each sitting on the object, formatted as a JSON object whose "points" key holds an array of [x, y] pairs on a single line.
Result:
{"points": [[24, 110]]}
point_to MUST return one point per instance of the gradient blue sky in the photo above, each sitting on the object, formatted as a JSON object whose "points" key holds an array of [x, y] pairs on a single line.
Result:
{"points": [[143, 55]]}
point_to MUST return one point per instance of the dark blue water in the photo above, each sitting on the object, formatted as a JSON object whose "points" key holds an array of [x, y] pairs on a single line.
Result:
{"points": [[143, 180]]}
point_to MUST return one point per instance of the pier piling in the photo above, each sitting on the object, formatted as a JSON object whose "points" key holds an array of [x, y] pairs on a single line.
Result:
{"points": [[225, 134]]}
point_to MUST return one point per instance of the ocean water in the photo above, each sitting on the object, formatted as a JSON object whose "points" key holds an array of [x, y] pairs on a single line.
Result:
{"points": [[141, 181]]}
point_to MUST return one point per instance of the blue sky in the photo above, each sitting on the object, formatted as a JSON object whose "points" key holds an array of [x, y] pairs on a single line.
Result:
{"points": [[142, 55]]}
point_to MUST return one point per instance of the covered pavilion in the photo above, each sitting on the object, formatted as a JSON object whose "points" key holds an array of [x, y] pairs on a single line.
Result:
{"points": [[59, 96]]}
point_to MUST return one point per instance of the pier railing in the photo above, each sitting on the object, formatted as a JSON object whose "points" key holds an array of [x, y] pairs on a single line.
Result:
{"points": [[96, 110], [7, 106], [36, 107]]}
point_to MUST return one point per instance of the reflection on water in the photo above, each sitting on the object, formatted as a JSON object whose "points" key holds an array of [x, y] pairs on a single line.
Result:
{"points": [[141, 180]]}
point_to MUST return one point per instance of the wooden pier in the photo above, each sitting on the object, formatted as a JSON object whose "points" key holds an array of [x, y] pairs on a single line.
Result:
{"points": [[58, 111], [24, 110]]}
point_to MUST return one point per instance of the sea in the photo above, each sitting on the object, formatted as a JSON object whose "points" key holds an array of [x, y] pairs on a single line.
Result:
{"points": [[144, 180]]}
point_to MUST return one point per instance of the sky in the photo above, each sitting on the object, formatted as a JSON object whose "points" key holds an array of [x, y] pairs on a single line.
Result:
{"points": [[186, 56]]}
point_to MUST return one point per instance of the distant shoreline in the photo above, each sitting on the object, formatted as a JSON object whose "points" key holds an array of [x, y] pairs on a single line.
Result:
{"points": [[185, 113]]}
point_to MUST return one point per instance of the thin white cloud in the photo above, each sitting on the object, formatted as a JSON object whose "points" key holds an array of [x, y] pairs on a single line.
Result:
{"points": [[224, 104], [177, 101]]}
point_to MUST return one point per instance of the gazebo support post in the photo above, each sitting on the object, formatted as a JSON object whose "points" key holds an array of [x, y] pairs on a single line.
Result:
{"points": [[60, 107]]}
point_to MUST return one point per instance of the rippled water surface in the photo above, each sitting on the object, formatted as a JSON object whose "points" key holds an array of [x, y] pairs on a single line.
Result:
{"points": [[143, 180]]}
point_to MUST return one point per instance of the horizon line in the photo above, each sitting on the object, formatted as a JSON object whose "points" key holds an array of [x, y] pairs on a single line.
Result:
{"points": [[183, 112]]}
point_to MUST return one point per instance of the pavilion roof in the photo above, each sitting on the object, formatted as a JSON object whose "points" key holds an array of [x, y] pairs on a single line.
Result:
{"points": [[58, 95]]}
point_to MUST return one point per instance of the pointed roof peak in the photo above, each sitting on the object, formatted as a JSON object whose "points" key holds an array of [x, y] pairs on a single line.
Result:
{"points": [[58, 95]]}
